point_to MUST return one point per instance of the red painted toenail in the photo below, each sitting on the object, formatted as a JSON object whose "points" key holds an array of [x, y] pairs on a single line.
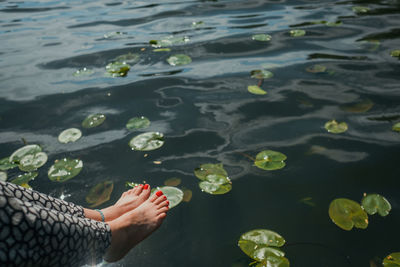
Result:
{"points": [[164, 197], [159, 193], [145, 186], [167, 202]]}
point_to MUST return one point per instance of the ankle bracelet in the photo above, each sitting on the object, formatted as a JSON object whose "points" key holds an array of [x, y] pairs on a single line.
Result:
{"points": [[103, 219]]}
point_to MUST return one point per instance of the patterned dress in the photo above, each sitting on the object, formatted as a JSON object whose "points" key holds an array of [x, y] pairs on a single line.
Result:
{"points": [[39, 230]]}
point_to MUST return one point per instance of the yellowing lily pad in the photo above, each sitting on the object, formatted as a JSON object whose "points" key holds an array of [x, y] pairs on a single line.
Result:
{"points": [[396, 127], [395, 53], [3, 176], [316, 69], [23, 179], [297, 33], [373, 203], [392, 260], [179, 59], [5, 164], [147, 141], [173, 181], [270, 160], [23, 151], [361, 106], [216, 184], [347, 214], [261, 74], [32, 162], [137, 123], [209, 168], [118, 69], [174, 195], [93, 120], [262, 37], [64, 169], [361, 9], [69, 135], [256, 90], [333, 126], [83, 72], [100, 193]]}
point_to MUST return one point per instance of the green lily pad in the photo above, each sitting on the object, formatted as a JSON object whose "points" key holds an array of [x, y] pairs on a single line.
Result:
{"points": [[5, 164], [69, 135], [137, 123], [64, 169], [392, 260], [347, 214], [262, 37], [256, 90], [147, 141], [32, 162], [396, 127], [334, 24], [395, 53], [261, 244], [360, 9], [209, 168], [3, 176], [111, 35], [274, 261], [179, 59], [270, 160], [23, 179], [333, 126], [23, 151], [373, 203], [216, 184], [261, 74], [100, 193], [196, 24], [297, 33], [118, 69], [361, 106], [83, 72], [173, 181], [93, 120], [169, 41], [316, 69], [174, 195], [131, 184], [130, 58], [162, 50]]}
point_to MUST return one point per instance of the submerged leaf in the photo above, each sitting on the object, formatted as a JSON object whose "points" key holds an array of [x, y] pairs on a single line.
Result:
{"points": [[100, 193], [187, 195], [32, 162], [147, 141], [23, 151], [5, 164], [162, 50], [83, 72], [392, 260], [173, 181], [179, 59], [316, 69], [270, 160], [360, 9], [347, 213], [118, 69], [333, 24], [361, 106], [261, 74], [333, 126], [373, 203], [297, 33], [262, 37], [396, 127], [64, 169], [395, 53], [69, 135], [93, 120], [256, 90], [137, 123]]}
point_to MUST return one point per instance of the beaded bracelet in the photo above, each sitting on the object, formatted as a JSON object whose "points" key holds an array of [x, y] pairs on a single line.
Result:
{"points": [[103, 219]]}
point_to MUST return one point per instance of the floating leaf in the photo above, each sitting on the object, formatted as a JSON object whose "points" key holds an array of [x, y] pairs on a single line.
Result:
{"points": [[371, 44], [100, 193], [32, 162], [169, 41], [392, 260], [64, 169], [333, 126], [262, 37], [69, 135], [147, 141], [216, 184], [373, 203], [131, 184], [261, 74], [256, 90], [187, 195], [260, 244], [3, 176], [361, 106], [83, 72], [113, 35], [179, 59], [347, 213], [396, 127], [333, 24], [117, 69], [162, 50], [360, 9], [5, 164], [173, 194], [395, 53], [297, 33], [23, 179], [173, 181], [23, 151], [316, 69], [274, 261], [137, 123], [270, 160], [130, 58], [196, 24], [93, 120], [209, 168]]}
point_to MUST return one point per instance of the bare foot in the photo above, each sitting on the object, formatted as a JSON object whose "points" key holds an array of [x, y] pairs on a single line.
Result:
{"points": [[128, 201], [131, 228]]}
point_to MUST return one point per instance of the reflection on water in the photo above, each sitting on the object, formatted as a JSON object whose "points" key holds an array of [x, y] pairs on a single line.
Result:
{"points": [[207, 115]]}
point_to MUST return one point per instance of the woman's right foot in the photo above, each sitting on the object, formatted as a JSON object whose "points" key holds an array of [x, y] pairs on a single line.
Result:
{"points": [[131, 228]]}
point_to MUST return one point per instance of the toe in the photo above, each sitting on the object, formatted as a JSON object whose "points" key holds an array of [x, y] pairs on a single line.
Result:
{"points": [[139, 190], [156, 196], [163, 211], [160, 199]]}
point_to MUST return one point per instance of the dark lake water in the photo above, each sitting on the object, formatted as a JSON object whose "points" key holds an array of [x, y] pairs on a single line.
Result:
{"points": [[208, 116]]}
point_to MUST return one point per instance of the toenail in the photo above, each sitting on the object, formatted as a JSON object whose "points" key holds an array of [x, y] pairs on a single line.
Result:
{"points": [[167, 202], [159, 193], [164, 197], [145, 186]]}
